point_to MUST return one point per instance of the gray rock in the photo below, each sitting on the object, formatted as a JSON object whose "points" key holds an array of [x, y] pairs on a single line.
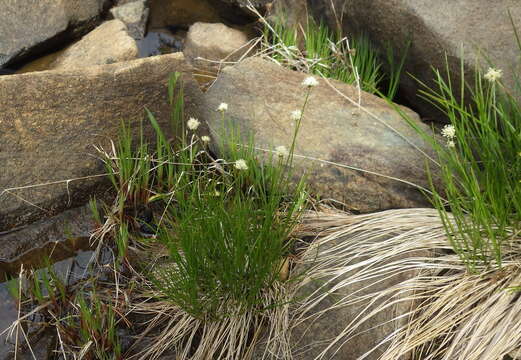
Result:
{"points": [[210, 46], [134, 15], [261, 95], [50, 121], [28, 28], [72, 223], [435, 28], [92, 49]]}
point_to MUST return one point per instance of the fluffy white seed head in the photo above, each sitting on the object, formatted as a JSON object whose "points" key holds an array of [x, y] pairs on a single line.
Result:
{"points": [[241, 164], [222, 107], [193, 123], [310, 82], [281, 151], [205, 139], [296, 115], [493, 75], [449, 131]]}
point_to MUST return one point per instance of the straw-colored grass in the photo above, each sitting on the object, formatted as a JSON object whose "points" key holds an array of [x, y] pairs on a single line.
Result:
{"points": [[454, 314]]}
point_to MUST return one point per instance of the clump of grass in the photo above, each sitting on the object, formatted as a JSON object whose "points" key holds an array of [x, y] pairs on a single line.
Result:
{"points": [[81, 321], [228, 237], [96, 331], [480, 164], [219, 247], [226, 223], [353, 60], [224, 228]]}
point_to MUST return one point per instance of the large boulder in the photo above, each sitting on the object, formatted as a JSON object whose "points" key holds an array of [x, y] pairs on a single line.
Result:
{"points": [[336, 137], [29, 28], [210, 46], [92, 49], [50, 121], [473, 28]]}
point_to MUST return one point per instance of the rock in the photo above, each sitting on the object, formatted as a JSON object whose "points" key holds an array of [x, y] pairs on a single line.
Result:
{"points": [[134, 15], [92, 49], [29, 28], [261, 95], [209, 46], [183, 13], [48, 129], [292, 13], [72, 223], [237, 12], [434, 29]]}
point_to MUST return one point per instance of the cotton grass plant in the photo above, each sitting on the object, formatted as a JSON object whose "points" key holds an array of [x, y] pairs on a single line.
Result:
{"points": [[223, 236], [480, 167], [209, 276], [466, 298]]}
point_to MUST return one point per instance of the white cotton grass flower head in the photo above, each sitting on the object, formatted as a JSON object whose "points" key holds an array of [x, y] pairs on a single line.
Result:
{"points": [[193, 123], [296, 115], [222, 107], [281, 151], [310, 82], [449, 131], [493, 75], [205, 139], [451, 143], [241, 164]]}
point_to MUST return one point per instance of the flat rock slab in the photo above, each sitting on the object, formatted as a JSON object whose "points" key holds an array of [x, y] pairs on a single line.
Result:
{"points": [[261, 96], [28, 27], [95, 48], [72, 223], [50, 121]]}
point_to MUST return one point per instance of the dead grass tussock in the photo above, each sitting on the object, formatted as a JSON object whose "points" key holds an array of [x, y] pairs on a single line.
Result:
{"points": [[454, 314], [232, 337]]}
